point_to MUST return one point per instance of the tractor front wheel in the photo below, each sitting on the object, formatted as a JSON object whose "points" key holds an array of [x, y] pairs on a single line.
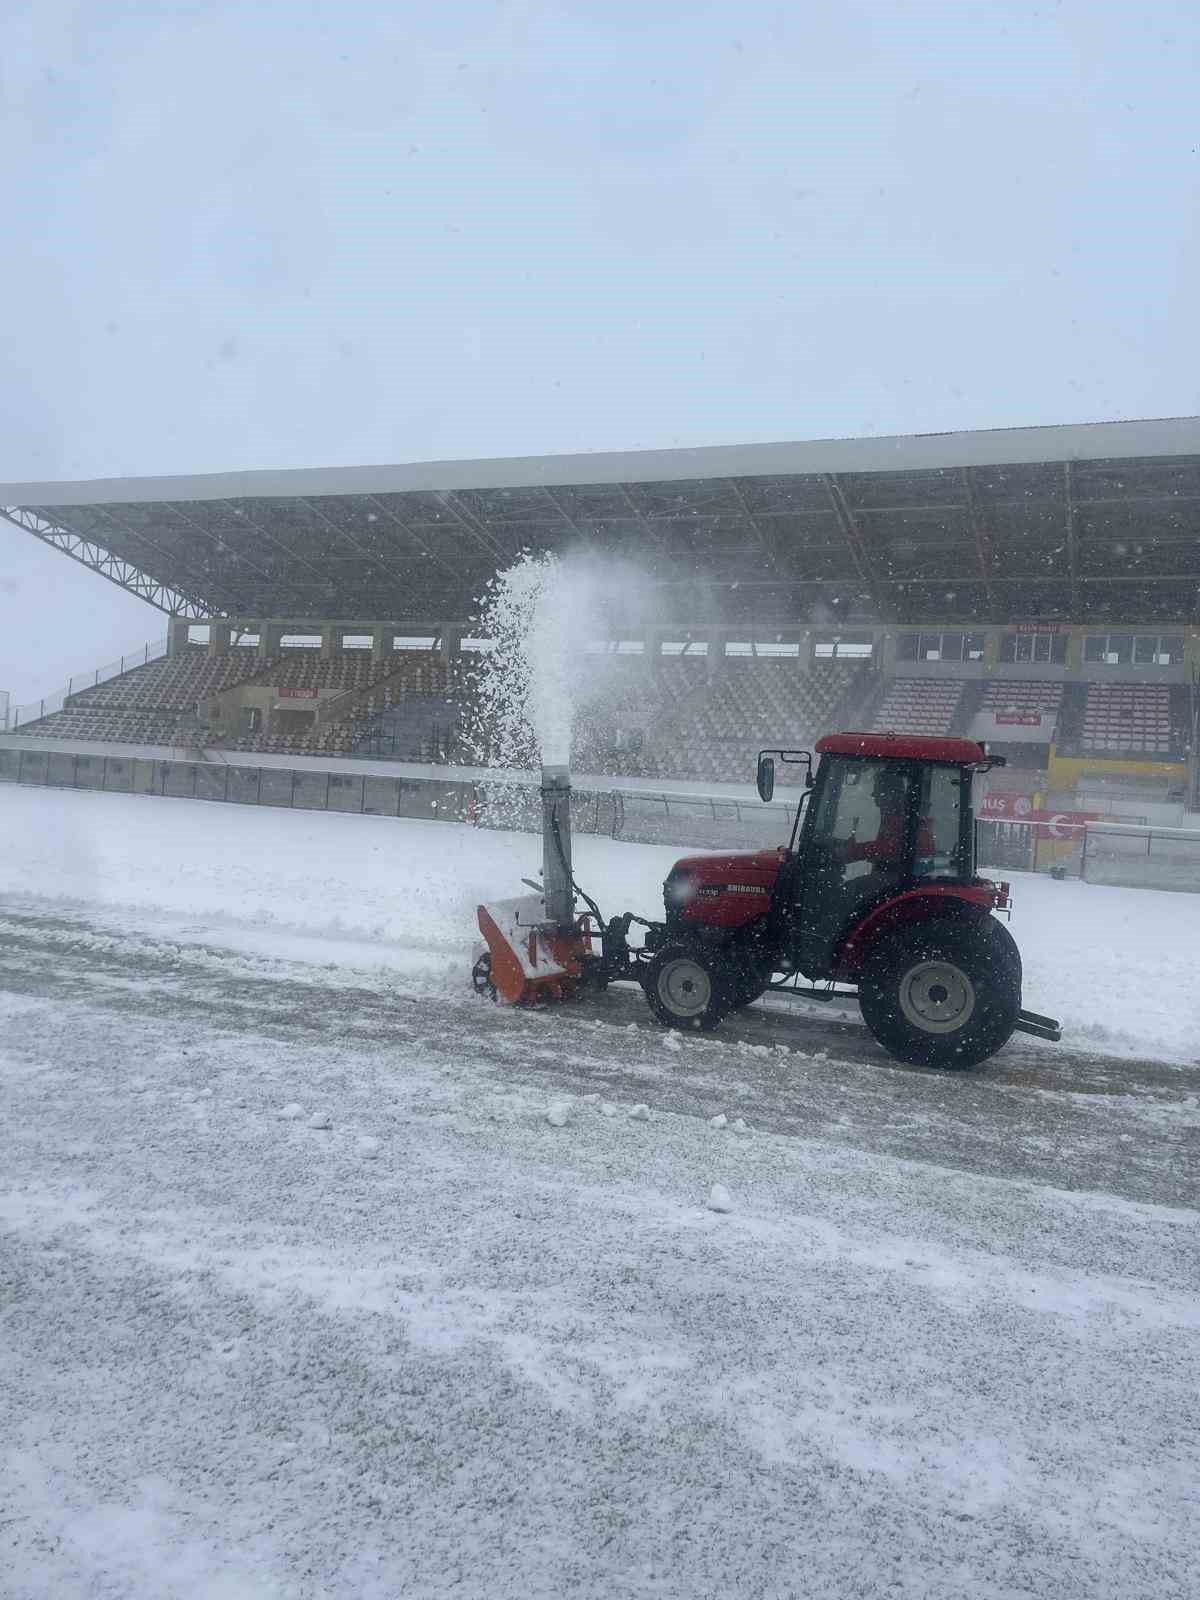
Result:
{"points": [[945, 993], [686, 988]]}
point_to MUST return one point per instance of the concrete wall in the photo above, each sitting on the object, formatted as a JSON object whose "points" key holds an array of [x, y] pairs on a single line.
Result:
{"points": [[698, 821]]}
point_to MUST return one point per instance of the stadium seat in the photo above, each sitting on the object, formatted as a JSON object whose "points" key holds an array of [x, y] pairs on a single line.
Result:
{"points": [[1129, 719], [751, 703], [920, 705]]}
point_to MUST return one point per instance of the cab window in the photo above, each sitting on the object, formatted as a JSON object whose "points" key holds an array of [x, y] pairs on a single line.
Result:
{"points": [[863, 814], [939, 830]]}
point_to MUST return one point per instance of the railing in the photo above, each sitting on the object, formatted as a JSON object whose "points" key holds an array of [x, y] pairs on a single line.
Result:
{"points": [[490, 801], [1109, 853], [705, 821], [434, 745], [1148, 858], [49, 704], [241, 785], [1007, 844]]}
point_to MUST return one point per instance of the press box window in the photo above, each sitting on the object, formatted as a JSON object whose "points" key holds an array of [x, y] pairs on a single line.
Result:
{"points": [[844, 647], [1048, 649], [1154, 650], [949, 646], [1108, 649]]}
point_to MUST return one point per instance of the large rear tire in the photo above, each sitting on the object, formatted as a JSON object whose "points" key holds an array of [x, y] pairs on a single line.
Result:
{"points": [[944, 993], [687, 988]]}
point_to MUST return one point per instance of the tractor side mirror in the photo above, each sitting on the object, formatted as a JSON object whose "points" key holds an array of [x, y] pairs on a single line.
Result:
{"points": [[766, 777]]}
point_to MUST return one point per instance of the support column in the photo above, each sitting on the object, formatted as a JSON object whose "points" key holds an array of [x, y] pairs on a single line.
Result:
{"points": [[269, 635], [652, 639], [177, 635], [449, 642], [330, 635], [219, 638], [381, 641], [452, 645]]}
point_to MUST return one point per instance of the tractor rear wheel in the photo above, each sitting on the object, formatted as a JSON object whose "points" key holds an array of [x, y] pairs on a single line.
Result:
{"points": [[687, 988], [945, 993]]}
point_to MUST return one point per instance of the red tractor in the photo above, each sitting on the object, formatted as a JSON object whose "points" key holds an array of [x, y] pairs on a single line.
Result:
{"points": [[875, 895]]}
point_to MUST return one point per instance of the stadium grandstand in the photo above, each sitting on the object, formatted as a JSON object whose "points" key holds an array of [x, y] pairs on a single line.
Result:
{"points": [[1038, 588]]}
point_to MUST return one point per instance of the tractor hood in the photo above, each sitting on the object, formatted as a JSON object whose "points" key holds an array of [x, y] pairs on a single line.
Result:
{"points": [[751, 866], [725, 891]]}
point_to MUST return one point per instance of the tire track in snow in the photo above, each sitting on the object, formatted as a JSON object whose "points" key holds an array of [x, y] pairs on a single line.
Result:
{"points": [[1107, 1125]]}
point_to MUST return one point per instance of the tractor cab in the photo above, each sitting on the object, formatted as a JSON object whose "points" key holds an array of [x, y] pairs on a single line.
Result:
{"points": [[889, 819]]}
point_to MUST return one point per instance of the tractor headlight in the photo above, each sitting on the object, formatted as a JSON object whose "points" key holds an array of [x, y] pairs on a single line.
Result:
{"points": [[678, 889]]}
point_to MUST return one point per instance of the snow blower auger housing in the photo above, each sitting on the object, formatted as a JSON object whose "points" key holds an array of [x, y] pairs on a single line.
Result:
{"points": [[874, 897]]}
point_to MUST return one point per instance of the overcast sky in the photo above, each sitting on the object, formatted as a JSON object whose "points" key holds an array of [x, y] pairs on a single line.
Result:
{"points": [[281, 235]]}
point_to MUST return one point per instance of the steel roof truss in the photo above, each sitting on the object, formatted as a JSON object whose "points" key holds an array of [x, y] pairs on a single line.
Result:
{"points": [[93, 556]]}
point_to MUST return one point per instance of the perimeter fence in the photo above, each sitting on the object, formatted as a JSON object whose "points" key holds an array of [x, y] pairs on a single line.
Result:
{"points": [[1100, 852], [668, 819], [1145, 858]]}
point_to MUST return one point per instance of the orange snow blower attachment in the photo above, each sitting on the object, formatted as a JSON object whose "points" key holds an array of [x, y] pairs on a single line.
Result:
{"points": [[531, 958], [537, 948]]}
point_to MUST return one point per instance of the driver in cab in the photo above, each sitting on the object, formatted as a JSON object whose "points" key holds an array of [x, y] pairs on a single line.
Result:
{"points": [[886, 849]]}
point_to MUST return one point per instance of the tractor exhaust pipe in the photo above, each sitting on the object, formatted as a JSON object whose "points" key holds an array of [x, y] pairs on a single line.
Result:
{"points": [[557, 872]]}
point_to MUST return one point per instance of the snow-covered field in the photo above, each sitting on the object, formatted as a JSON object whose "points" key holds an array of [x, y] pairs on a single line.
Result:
{"points": [[319, 1277], [1117, 966]]}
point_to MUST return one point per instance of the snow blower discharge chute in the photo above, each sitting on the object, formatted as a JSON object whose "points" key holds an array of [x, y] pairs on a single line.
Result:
{"points": [[875, 897]]}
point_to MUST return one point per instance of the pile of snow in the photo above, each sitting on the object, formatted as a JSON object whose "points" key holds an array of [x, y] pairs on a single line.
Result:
{"points": [[408, 890]]}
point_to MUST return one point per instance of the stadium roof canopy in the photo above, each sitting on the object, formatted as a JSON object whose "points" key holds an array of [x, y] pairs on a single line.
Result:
{"points": [[1098, 522]]}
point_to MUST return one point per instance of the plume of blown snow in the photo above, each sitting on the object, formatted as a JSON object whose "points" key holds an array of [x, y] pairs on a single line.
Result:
{"points": [[550, 678]]}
